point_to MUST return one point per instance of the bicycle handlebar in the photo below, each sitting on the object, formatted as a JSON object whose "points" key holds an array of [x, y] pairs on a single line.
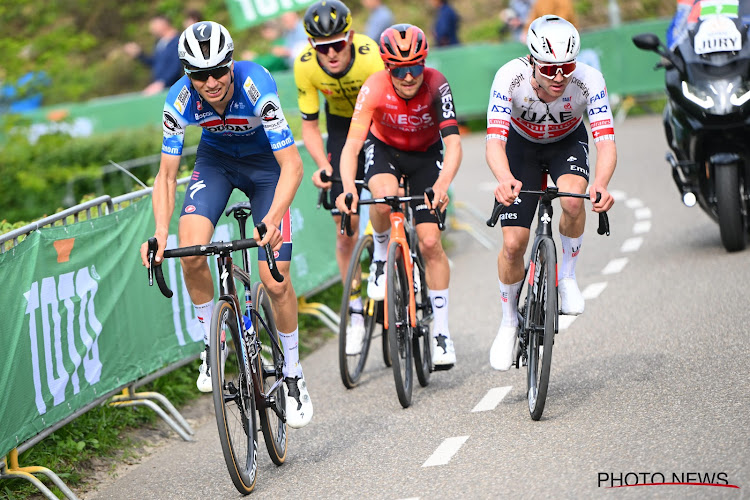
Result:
{"points": [[323, 193], [550, 194], [215, 248], [393, 202]]}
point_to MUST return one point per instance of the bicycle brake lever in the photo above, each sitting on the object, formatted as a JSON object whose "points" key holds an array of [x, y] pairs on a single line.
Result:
{"points": [[492, 221], [153, 246], [603, 223], [346, 219], [438, 214]]}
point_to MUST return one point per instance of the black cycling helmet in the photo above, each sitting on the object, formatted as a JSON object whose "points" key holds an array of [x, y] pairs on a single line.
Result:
{"points": [[326, 18]]}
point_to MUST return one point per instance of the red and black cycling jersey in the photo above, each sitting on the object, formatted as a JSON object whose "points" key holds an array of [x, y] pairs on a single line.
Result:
{"points": [[409, 125]]}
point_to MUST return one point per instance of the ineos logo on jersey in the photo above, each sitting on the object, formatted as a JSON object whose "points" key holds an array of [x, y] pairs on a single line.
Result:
{"points": [[596, 111], [403, 119]]}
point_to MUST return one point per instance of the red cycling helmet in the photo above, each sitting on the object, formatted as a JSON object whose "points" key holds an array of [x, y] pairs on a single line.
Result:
{"points": [[403, 45]]}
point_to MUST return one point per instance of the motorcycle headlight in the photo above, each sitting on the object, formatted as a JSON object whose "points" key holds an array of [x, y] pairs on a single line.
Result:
{"points": [[740, 98], [700, 98]]}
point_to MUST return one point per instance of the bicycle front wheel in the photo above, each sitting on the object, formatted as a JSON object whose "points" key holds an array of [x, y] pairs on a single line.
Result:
{"points": [[357, 316], [542, 310], [422, 339], [399, 327], [269, 365], [234, 402]]}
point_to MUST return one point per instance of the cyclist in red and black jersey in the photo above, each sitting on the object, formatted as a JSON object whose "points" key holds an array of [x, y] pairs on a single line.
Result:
{"points": [[400, 117]]}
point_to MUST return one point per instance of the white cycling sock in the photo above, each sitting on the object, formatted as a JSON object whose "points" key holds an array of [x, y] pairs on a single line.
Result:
{"points": [[439, 300], [509, 300], [570, 249], [205, 312], [290, 343], [381, 244], [355, 304]]}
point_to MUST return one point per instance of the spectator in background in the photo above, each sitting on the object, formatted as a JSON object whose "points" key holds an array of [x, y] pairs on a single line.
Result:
{"points": [[445, 29], [192, 16], [559, 8], [294, 37], [514, 18], [164, 62], [274, 59], [379, 19]]}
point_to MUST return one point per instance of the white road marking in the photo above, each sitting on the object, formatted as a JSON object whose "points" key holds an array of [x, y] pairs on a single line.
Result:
{"points": [[593, 290], [492, 398], [445, 451], [643, 213], [615, 266], [618, 195], [641, 227], [631, 244], [564, 321], [633, 203]]}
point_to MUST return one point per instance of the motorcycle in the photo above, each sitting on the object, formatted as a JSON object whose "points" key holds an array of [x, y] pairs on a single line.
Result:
{"points": [[707, 120]]}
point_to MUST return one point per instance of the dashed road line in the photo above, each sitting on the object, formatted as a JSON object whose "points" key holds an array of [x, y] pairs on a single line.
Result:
{"points": [[633, 203], [615, 266], [445, 451], [631, 244], [593, 290], [641, 227], [564, 321], [492, 398], [643, 213]]}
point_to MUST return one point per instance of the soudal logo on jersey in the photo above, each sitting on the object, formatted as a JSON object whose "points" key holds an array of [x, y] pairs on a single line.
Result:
{"points": [[231, 125]]}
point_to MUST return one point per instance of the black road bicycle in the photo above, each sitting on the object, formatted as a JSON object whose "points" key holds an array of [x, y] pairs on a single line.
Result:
{"points": [[351, 366], [251, 377], [538, 317], [408, 308]]}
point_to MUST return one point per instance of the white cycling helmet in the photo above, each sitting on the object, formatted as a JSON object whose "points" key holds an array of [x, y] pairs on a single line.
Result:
{"points": [[205, 45], [552, 39]]}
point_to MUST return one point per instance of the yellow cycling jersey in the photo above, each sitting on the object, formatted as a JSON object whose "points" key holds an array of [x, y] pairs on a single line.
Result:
{"points": [[340, 90]]}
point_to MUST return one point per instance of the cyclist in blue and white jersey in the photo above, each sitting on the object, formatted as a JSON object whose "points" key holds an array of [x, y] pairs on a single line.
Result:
{"points": [[535, 118], [246, 144]]}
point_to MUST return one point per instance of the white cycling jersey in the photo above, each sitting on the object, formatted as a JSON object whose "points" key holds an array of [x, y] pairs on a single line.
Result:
{"points": [[514, 102]]}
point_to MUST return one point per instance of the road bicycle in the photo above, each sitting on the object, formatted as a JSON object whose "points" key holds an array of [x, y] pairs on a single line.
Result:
{"points": [[351, 366], [245, 357], [538, 317], [408, 311]]}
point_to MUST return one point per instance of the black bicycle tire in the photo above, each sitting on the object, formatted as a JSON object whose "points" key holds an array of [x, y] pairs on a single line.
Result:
{"points": [[350, 377], [380, 307], [398, 303], [543, 309], [243, 476], [273, 427], [422, 343]]}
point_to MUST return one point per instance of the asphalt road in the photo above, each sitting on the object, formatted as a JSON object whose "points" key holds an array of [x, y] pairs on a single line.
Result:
{"points": [[652, 378]]}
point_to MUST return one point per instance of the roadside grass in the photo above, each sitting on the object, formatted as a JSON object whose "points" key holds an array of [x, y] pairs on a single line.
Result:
{"points": [[103, 435]]}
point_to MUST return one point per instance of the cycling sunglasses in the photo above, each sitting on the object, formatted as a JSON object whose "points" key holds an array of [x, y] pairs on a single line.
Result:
{"points": [[336, 45], [203, 74], [551, 70], [400, 72]]}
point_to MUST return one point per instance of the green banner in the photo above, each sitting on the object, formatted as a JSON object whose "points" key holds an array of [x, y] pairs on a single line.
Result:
{"points": [[246, 13], [81, 320]]}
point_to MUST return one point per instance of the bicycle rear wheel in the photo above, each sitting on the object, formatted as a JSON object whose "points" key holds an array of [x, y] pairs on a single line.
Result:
{"points": [[399, 327], [234, 402], [269, 365], [542, 310], [352, 365], [422, 339]]}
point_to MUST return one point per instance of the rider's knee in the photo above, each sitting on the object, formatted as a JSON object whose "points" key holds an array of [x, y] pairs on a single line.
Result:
{"points": [[192, 263], [514, 248], [431, 246], [572, 207], [275, 289]]}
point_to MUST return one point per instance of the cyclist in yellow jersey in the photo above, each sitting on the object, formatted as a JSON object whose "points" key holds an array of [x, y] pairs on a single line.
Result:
{"points": [[337, 63]]}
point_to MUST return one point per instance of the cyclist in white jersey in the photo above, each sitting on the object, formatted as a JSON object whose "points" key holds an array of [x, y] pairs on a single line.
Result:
{"points": [[535, 120]]}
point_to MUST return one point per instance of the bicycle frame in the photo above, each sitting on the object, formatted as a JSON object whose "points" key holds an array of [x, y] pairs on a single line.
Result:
{"points": [[398, 235]]}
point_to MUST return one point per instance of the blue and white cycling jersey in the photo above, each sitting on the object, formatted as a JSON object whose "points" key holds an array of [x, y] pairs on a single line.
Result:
{"points": [[253, 121]]}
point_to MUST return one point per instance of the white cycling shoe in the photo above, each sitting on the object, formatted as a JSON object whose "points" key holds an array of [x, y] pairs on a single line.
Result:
{"points": [[443, 352], [571, 299], [355, 334], [204, 372], [376, 280], [299, 408], [504, 350]]}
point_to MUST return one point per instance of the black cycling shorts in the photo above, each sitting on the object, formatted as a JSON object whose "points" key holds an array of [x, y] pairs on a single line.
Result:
{"points": [[338, 128], [527, 159], [421, 168]]}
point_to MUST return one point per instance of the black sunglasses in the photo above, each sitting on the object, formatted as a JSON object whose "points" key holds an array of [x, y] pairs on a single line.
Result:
{"points": [[203, 75]]}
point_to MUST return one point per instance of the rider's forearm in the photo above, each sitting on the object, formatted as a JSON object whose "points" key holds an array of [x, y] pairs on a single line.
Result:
{"points": [[163, 195], [451, 159], [313, 140], [606, 160], [290, 178], [348, 165], [497, 160]]}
